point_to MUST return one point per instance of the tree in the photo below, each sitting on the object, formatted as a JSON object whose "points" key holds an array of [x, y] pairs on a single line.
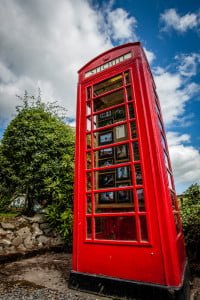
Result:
{"points": [[190, 212], [36, 156]]}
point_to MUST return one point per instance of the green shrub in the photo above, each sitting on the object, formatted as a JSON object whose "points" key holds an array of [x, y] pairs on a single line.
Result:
{"points": [[190, 212]]}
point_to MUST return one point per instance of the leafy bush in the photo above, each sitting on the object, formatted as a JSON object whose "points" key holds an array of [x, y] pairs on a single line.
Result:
{"points": [[36, 160], [190, 212]]}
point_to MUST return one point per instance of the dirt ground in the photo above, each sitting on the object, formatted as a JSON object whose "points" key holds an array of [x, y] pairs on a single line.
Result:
{"points": [[51, 271]]}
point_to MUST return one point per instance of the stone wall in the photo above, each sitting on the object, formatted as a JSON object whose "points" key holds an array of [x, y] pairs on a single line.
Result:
{"points": [[21, 235]]}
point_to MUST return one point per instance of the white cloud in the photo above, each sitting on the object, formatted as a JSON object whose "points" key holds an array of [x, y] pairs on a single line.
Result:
{"points": [[44, 43], [121, 25], [185, 159], [171, 19], [173, 94], [188, 64], [150, 55]]}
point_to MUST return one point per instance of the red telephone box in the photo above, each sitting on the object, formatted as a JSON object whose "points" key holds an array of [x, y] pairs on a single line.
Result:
{"points": [[128, 239]]}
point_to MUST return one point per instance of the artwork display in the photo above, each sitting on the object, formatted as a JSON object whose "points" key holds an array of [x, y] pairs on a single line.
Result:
{"points": [[106, 138], [107, 197], [109, 156]]}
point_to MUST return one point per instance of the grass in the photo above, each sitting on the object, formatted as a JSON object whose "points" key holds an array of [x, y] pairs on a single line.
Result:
{"points": [[8, 214]]}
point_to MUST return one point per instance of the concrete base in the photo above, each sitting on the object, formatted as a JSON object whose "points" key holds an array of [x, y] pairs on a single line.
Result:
{"points": [[109, 286]]}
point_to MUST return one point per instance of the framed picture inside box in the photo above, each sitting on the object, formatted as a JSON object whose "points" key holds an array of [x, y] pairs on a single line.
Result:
{"points": [[105, 162], [105, 115], [119, 114], [123, 173], [105, 122], [124, 196], [106, 180], [120, 133], [121, 152], [106, 198], [105, 138], [106, 153]]}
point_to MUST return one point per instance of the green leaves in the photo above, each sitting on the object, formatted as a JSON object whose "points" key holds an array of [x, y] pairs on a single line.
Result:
{"points": [[190, 213]]}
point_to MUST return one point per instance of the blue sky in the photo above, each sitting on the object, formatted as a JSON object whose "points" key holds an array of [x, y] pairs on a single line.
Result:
{"points": [[44, 43]]}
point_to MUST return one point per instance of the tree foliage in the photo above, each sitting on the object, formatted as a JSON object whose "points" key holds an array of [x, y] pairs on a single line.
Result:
{"points": [[36, 159], [190, 212]]}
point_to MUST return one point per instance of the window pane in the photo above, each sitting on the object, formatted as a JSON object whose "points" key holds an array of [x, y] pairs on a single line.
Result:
{"points": [[89, 204], [110, 178], [108, 85], [131, 111], [118, 201], [140, 197], [89, 228], [136, 153], [138, 174], [129, 93], [88, 141], [143, 228], [89, 93], [109, 100], [115, 228], [88, 108], [111, 116], [88, 124], [89, 160], [89, 181], [127, 77], [112, 155], [133, 130]]}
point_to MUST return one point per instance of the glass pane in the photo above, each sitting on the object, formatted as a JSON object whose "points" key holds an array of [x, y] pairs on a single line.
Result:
{"points": [[89, 228], [89, 160], [88, 108], [136, 153], [118, 201], [112, 155], [110, 178], [115, 228], [89, 93], [127, 77], [109, 100], [143, 228], [138, 174], [140, 197], [129, 93], [88, 141], [131, 111], [89, 181], [111, 116], [88, 124], [89, 204], [108, 85], [133, 130]]}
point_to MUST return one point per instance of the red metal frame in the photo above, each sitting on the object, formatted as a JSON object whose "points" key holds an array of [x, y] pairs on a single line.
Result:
{"points": [[161, 259]]}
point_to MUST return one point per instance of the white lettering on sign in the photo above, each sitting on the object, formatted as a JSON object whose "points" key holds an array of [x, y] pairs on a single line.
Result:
{"points": [[108, 64]]}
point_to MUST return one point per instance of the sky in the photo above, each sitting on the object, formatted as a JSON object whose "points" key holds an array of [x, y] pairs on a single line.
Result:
{"points": [[44, 43]]}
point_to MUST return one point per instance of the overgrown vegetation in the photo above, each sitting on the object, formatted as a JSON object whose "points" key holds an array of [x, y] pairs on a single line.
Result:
{"points": [[36, 160], [190, 211]]}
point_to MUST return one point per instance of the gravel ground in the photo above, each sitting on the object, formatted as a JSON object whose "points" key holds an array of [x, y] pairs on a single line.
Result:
{"points": [[45, 277], [41, 277]]}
